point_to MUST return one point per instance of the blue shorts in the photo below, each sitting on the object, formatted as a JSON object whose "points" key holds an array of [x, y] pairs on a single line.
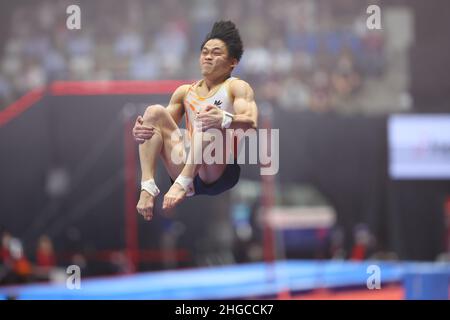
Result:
{"points": [[227, 180]]}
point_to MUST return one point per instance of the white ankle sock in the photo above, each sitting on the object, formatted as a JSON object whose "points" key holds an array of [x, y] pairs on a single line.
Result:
{"points": [[187, 184], [150, 187]]}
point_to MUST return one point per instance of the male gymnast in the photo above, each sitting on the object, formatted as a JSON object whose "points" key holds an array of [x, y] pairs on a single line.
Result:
{"points": [[217, 101]]}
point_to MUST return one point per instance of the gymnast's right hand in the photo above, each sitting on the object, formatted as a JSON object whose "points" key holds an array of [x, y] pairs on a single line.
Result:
{"points": [[142, 133]]}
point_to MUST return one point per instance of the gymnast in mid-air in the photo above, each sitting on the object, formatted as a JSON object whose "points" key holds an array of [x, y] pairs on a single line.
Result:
{"points": [[217, 102]]}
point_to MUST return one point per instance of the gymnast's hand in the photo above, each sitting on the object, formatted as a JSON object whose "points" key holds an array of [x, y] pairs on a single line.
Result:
{"points": [[142, 133], [210, 117]]}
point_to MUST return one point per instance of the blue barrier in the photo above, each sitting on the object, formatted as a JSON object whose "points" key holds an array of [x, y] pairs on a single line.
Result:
{"points": [[427, 283]]}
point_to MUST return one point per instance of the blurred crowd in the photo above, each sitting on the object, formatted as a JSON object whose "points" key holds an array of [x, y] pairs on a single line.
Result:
{"points": [[38, 261], [16, 267], [299, 54]]}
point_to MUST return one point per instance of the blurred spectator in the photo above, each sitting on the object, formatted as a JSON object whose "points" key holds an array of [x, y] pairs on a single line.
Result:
{"points": [[45, 267], [294, 94], [129, 43], [345, 78], [363, 243], [21, 266], [321, 92], [337, 250], [5, 254], [45, 255]]}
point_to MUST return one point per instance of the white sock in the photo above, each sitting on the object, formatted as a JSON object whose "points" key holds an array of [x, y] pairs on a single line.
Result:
{"points": [[187, 184], [150, 187]]}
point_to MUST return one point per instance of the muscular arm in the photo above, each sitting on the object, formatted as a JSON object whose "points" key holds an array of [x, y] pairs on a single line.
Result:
{"points": [[246, 111], [175, 107]]}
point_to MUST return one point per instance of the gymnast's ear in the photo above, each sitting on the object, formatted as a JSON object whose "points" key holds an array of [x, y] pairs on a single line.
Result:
{"points": [[234, 62]]}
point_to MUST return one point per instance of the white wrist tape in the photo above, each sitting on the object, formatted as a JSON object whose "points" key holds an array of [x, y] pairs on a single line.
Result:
{"points": [[150, 187], [227, 118], [187, 184]]}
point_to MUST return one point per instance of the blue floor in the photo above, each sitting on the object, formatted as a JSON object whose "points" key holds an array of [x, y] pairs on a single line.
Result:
{"points": [[237, 281]]}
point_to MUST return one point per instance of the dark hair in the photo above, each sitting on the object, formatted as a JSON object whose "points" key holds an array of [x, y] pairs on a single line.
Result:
{"points": [[228, 33]]}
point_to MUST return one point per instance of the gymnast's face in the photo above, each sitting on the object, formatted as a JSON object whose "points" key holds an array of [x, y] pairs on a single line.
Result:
{"points": [[214, 59]]}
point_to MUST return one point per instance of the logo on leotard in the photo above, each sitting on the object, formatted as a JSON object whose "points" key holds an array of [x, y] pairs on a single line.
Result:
{"points": [[217, 103]]}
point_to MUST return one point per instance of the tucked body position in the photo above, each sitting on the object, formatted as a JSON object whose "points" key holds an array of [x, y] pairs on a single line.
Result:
{"points": [[218, 103]]}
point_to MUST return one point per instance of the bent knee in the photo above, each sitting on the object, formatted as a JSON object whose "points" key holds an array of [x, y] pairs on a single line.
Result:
{"points": [[154, 113]]}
